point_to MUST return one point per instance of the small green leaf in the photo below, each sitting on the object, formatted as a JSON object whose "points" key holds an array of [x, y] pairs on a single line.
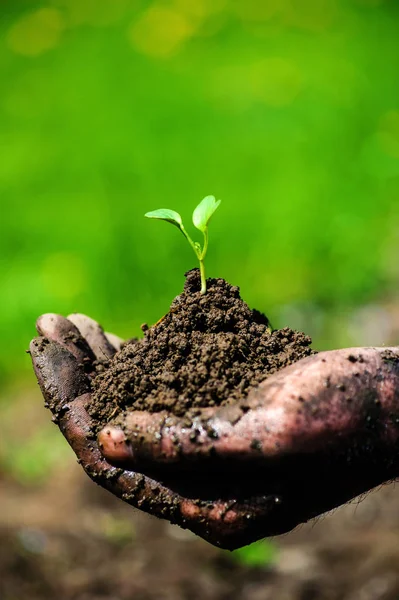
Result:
{"points": [[204, 211], [164, 214]]}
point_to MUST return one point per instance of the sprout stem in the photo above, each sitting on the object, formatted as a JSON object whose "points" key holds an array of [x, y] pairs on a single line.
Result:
{"points": [[201, 258], [200, 254], [201, 215], [203, 279]]}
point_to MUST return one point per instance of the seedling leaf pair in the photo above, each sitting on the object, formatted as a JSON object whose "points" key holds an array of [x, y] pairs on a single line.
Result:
{"points": [[201, 217]]}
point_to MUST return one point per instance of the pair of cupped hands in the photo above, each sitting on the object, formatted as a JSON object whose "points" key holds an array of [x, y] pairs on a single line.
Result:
{"points": [[309, 438]]}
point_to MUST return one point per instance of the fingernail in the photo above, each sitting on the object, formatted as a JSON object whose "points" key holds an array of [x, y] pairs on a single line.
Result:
{"points": [[113, 445]]}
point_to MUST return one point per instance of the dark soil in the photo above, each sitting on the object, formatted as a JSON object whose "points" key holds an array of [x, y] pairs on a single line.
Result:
{"points": [[208, 350]]}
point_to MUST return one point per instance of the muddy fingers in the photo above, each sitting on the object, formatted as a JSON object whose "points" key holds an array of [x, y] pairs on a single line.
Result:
{"points": [[328, 400], [94, 335], [308, 439], [59, 329], [59, 375], [59, 367]]}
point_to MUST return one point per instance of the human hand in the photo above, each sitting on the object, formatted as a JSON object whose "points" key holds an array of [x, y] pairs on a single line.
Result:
{"points": [[308, 439], [63, 359]]}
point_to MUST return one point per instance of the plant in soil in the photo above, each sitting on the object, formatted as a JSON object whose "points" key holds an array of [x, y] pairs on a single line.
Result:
{"points": [[201, 217], [208, 350]]}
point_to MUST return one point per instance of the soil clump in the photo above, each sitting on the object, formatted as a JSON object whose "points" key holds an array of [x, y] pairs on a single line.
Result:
{"points": [[208, 350]]}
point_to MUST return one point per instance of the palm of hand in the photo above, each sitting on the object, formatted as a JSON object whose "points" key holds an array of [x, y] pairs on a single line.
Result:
{"points": [[236, 474]]}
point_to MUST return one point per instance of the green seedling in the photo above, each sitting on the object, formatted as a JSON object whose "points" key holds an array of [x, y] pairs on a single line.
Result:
{"points": [[201, 217]]}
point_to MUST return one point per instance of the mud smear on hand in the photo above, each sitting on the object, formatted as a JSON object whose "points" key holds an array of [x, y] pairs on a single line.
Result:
{"points": [[208, 350]]}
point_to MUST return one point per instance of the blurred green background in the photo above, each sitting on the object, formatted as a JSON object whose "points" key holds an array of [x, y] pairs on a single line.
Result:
{"points": [[287, 110]]}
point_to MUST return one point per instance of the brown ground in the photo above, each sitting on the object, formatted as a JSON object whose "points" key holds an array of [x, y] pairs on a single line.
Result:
{"points": [[68, 539], [71, 540], [209, 349]]}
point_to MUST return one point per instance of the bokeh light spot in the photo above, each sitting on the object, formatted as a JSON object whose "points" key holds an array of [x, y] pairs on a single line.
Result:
{"points": [[276, 81], [63, 275], [36, 33], [160, 32]]}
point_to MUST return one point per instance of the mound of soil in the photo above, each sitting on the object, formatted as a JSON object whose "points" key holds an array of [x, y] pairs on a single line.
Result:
{"points": [[209, 349]]}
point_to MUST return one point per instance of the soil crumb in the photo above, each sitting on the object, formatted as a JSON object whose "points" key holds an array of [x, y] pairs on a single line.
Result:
{"points": [[209, 349]]}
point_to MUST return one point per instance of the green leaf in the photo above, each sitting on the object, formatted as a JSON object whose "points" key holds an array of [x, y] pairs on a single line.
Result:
{"points": [[164, 214], [204, 211]]}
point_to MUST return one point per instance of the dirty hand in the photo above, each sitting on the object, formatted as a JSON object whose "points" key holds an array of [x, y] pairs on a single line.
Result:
{"points": [[63, 359], [308, 439]]}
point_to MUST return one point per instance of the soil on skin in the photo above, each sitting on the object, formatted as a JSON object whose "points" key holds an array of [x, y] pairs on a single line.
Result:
{"points": [[208, 350]]}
